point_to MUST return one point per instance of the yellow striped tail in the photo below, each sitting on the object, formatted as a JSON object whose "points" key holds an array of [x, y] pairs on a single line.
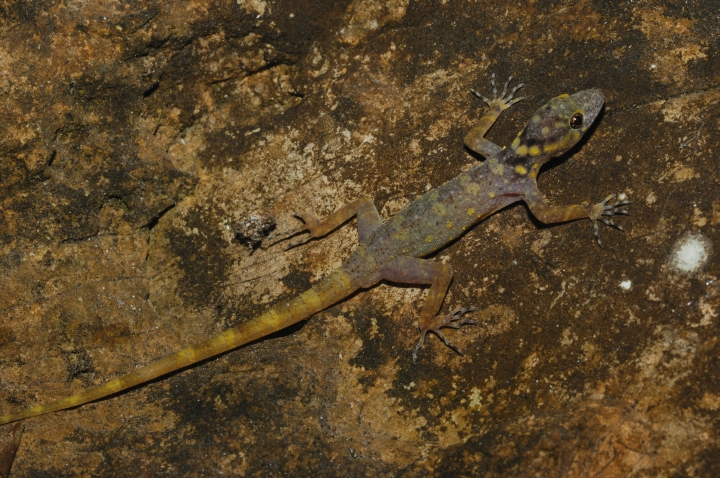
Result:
{"points": [[327, 292]]}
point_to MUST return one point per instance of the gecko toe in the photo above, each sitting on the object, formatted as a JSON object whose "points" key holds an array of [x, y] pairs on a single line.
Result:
{"points": [[453, 320], [612, 223], [287, 235], [505, 100], [448, 343], [486, 100], [419, 344], [512, 102], [605, 209], [509, 98], [506, 85], [596, 229], [310, 223], [604, 201], [297, 242]]}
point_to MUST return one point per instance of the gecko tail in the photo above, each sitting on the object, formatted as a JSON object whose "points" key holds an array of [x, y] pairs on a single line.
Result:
{"points": [[216, 345], [329, 291]]}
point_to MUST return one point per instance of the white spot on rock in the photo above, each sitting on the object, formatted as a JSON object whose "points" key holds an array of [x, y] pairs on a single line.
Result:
{"points": [[691, 253], [626, 284]]}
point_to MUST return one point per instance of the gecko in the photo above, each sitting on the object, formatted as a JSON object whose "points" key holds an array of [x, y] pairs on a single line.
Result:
{"points": [[394, 251]]}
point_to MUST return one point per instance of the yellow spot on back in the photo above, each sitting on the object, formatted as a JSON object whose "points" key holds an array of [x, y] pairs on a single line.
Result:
{"points": [[429, 239], [491, 194], [450, 225], [401, 235], [534, 150], [550, 148], [536, 119], [496, 167], [515, 143], [521, 170], [522, 150], [471, 211], [564, 95], [472, 189], [439, 209], [534, 170], [545, 130]]}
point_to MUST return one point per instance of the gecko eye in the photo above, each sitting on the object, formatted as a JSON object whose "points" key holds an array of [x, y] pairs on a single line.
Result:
{"points": [[576, 121]]}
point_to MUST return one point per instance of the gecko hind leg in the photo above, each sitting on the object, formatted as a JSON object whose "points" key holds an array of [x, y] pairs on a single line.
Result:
{"points": [[364, 208], [411, 270]]}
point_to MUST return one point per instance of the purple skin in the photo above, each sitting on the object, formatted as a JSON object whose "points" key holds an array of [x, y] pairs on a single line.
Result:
{"points": [[392, 251]]}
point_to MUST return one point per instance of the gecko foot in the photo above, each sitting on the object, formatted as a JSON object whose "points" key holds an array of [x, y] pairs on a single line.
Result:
{"points": [[505, 100], [602, 209], [453, 320], [310, 224]]}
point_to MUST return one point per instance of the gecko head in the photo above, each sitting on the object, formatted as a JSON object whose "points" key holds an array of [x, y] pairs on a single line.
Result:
{"points": [[556, 127]]}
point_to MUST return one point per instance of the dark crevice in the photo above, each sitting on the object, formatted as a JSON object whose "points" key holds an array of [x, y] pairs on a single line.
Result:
{"points": [[152, 46], [270, 65], [221, 80], [133, 23], [248, 74], [153, 88], [184, 44], [50, 162], [75, 240], [44, 174], [156, 219]]}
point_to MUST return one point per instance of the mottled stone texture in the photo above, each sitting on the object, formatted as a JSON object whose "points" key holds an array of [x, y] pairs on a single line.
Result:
{"points": [[135, 135]]}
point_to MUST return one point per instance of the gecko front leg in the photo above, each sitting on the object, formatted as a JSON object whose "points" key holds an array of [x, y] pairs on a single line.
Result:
{"points": [[552, 214], [475, 139]]}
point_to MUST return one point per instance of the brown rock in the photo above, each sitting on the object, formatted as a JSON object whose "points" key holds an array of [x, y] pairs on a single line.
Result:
{"points": [[136, 135]]}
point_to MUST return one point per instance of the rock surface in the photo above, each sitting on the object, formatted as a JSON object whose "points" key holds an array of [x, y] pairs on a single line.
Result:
{"points": [[137, 134]]}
